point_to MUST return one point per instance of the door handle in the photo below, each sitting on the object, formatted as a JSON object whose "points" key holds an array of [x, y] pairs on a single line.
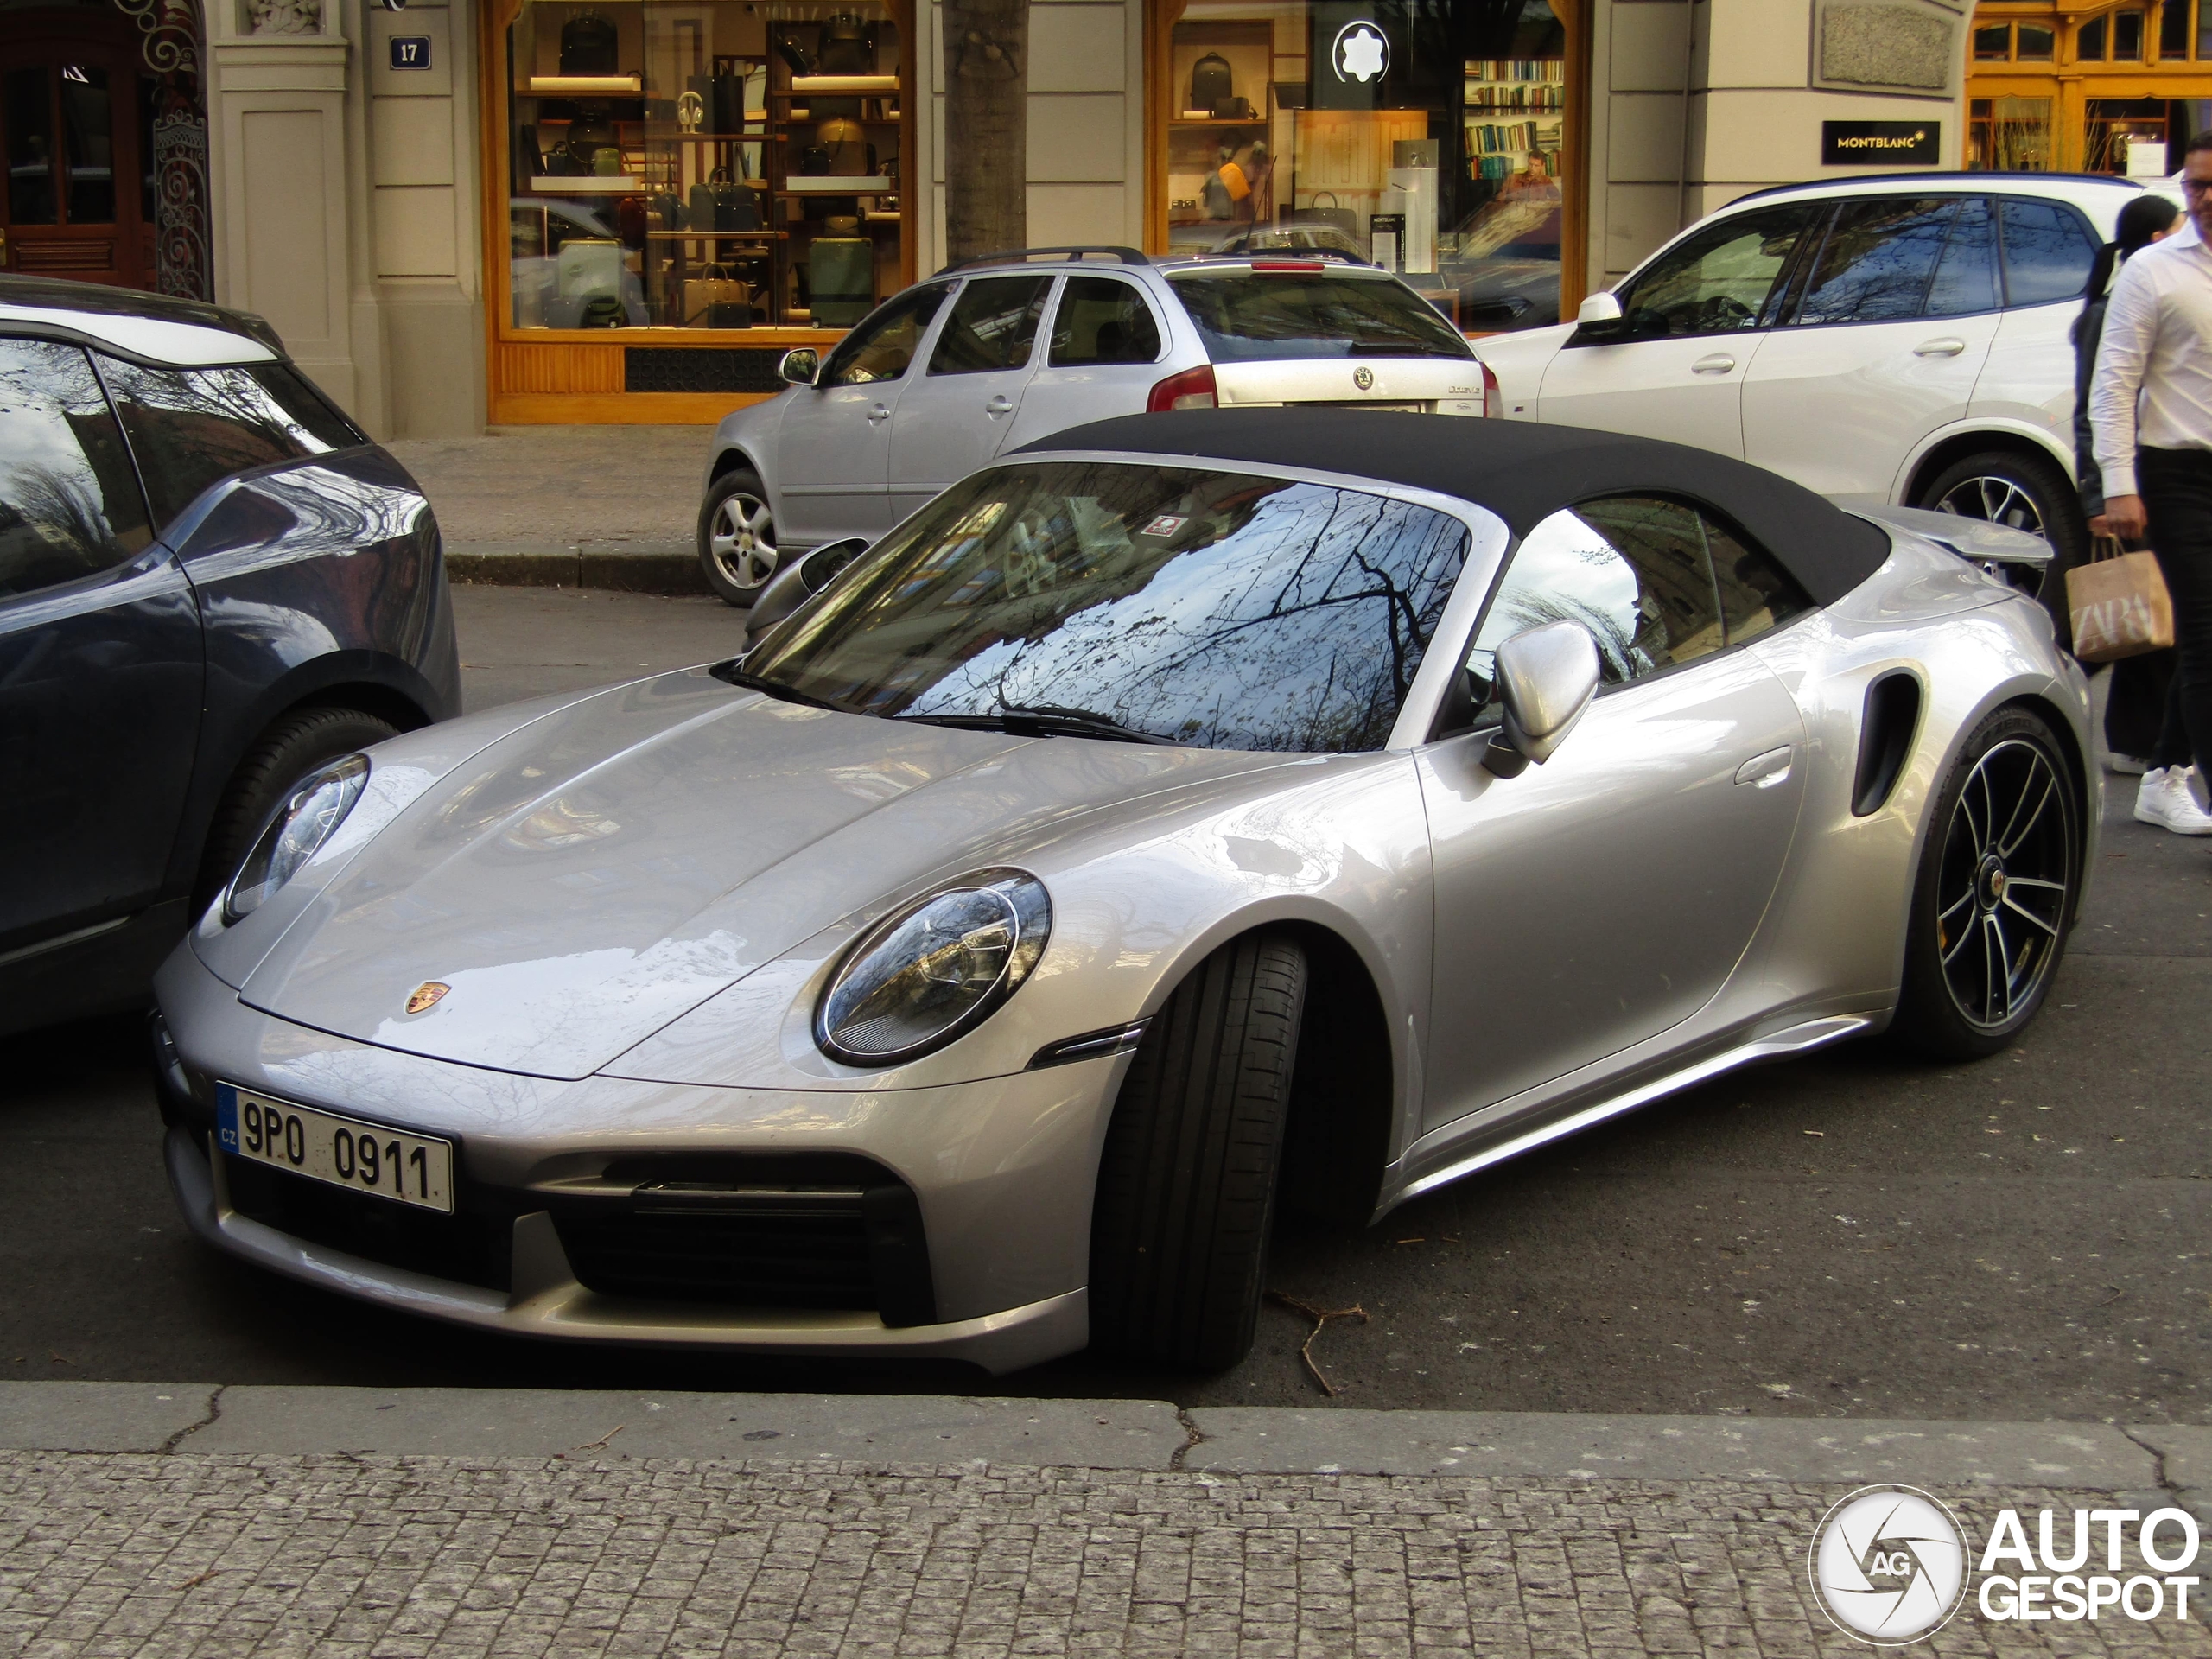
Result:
{"points": [[878, 413], [1765, 770], [1000, 404], [1714, 363], [1949, 346]]}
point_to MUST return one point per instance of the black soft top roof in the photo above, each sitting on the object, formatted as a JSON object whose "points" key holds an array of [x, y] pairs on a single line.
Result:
{"points": [[1519, 470]]}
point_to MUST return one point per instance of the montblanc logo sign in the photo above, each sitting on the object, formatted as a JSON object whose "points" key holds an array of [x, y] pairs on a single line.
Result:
{"points": [[1881, 143], [1362, 52]]}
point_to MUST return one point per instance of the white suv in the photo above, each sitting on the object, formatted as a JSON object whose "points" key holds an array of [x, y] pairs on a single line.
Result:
{"points": [[1902, 340]]}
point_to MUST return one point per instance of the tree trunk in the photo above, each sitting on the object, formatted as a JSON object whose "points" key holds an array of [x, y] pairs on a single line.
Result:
{"points": [[986, 126]]}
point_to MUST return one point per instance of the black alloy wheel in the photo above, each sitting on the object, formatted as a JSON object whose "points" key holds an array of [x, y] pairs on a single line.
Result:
{"points": [[1999, 881], [1186, 1182], [2020, 491], [737, 538]]}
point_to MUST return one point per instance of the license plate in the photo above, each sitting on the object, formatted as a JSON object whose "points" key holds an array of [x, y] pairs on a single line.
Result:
{"points": [[410, 1169], [1386, 409]]}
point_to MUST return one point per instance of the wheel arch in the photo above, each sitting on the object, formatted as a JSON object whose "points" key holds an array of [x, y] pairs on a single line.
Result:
{"points": [[1957, 446]]}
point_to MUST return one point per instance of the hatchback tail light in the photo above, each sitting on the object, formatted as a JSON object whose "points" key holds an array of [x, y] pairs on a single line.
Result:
{"points": [[1192, 389], [1493, 397]]}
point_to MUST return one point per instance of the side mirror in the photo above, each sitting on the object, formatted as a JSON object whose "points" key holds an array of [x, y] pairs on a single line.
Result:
{"points": [[800, 365], [1546, 678], [1599, 315], [796, 583]]}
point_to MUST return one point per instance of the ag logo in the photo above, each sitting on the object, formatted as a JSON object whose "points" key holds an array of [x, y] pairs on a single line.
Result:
{"points": [[1362, 52], [426, 995], [1363, 378], [1888, 1564]]}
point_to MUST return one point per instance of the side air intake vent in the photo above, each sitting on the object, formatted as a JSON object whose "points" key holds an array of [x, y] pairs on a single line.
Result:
{"points": [[1884, 739]]}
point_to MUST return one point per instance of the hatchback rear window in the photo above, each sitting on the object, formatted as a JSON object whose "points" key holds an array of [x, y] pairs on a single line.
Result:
{"points": [[1246, 319]]}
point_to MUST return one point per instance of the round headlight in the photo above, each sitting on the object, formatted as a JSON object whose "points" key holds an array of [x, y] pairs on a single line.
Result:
{"points": [[316, 806], [934, 969]]}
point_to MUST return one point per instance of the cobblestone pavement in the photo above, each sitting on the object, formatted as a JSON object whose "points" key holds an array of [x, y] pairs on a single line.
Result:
{"points": [[331, 1555]]}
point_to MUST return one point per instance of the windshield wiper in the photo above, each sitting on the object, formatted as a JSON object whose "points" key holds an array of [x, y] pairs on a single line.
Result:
{"points": [[732, 674], [1045, 720]]}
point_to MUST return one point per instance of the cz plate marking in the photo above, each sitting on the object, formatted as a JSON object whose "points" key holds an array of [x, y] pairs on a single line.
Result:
{"points": [[412, 1169]]}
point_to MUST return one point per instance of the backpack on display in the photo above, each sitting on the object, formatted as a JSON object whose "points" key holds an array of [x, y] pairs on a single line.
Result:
{"points": [[1210, 82], [589, 46]]}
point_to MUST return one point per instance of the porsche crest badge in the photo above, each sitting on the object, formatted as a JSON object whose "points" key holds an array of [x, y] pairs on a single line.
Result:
{"points": [[426, 995], [1363, 378]]}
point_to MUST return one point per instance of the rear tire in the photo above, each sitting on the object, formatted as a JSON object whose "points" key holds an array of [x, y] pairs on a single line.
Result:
{"points": [[2022, 492], [1998, 885], [737, 537], [290, 750], [1186, 1184]]}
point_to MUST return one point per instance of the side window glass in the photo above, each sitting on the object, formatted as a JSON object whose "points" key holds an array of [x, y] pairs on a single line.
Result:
{"points": [[1716, 283], [188, 428], [1966, 277], [2048, 252], [1756, 593], [1877, 261], [993, 325], [1101, 319], [881, 348], [69, 503]]}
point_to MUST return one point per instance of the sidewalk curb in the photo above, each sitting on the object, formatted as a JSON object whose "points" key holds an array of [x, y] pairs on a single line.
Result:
{"points": [[2156, 1465], [664, 568]]}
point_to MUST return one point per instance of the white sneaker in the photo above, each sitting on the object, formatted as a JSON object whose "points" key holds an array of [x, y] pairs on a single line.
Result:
{"points": [[2127, 764], [2167, 798]]}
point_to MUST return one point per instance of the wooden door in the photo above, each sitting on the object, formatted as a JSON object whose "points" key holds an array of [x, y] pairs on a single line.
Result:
{"points": [[75, 200]]}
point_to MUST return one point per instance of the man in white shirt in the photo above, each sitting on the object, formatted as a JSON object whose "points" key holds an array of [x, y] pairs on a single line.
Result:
{"points": [[2151, 411]]}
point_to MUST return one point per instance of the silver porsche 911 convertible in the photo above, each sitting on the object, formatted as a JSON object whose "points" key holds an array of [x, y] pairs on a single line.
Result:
{"points": [[1199, 817]]}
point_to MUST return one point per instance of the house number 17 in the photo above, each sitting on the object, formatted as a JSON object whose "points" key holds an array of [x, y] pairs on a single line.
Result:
{"points": [[410, 51]]}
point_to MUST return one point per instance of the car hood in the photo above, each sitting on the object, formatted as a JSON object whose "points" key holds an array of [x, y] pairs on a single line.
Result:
{"points": [[596, 874]]}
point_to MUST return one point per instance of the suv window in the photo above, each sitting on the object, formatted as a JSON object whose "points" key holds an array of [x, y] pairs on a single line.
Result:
{"points": [[1720, 281], [1878, 260], [1657, 582], [884, 344], [2048, 252], [69, 505], [191, 427], [1966, 277], [1249, 318], [1103, 320], [993, 326]]}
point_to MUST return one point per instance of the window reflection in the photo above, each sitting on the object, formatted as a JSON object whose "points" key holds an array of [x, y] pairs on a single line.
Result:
{"points": [[190, 427], [69, 505]]}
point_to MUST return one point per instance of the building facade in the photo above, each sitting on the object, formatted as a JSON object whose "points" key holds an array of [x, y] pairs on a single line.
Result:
{"points": [[530, 210]]}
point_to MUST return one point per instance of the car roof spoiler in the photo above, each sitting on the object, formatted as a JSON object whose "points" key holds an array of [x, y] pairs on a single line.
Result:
{"points": [[1975, 540], [1022, 256]]}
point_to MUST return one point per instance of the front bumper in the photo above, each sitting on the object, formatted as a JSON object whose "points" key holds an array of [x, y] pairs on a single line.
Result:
{"points": [[996, 1177]]}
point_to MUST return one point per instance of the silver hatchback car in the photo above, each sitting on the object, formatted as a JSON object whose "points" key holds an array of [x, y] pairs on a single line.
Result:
{"points": [[1018, 347]]}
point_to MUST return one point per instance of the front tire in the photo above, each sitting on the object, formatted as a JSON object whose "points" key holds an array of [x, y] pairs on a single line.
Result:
{"points": [[1186, 1184], [2021, 491], [1999, 881], [737, 538], [290, 750]]}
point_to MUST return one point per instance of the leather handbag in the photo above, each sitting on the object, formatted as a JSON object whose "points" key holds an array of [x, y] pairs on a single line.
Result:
{"points": [[2118, 604], [590, 45], [841, 274], [717, 300], [1210, 82], [737, 206], [1344, 218], [844, 144]]}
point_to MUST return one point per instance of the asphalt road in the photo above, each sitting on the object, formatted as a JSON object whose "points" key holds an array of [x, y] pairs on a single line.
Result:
{"points": [[1856, 1234]]}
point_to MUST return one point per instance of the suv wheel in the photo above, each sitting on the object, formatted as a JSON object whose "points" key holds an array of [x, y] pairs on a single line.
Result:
{"points": [[737, 538], [2021, 491]]}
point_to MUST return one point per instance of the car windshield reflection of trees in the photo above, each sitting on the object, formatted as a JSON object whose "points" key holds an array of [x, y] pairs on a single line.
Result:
{"points": [[1215, 610]]}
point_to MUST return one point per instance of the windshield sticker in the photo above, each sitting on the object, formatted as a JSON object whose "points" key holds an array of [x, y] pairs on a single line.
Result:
{"points": [[1167, 524]]}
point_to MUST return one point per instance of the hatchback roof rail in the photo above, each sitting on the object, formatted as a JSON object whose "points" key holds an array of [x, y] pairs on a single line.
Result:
{"points": [[1962, 182], [1125, 255]]}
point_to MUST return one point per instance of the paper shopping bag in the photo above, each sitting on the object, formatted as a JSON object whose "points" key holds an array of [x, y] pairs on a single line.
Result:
{"points": [[2119, 604]]}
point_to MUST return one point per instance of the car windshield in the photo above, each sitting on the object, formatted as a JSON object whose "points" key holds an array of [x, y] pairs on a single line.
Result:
{"points": [[1159, 604], [1253, 318]]}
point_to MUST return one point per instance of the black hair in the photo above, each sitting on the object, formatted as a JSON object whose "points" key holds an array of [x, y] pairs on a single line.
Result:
{"points": [[2202, 141], [2139, 221]]}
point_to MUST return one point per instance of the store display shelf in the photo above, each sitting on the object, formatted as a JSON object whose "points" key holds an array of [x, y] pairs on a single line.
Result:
{"points": [[805, 84], [585, 184], [587, 85], [717, 236], [1224, 121], [838, 184], [874, 217]]}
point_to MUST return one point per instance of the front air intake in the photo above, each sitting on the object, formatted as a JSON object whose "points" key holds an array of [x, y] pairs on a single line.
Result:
{"points": [[1885, 733]]}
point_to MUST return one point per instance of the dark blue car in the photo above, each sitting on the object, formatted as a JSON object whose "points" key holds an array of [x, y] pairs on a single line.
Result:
{"points": [[211, 583]]}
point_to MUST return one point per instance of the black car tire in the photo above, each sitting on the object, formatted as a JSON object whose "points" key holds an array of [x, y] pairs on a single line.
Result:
{"points": [[2014, 754], [290, 750], [737, 537], [1186, 1183], [2008, 484]]}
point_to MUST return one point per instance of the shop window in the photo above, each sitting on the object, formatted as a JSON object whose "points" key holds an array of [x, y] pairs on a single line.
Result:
{"points": [[2127, 136], [2008, 135], [704, 164], [2038, 43], [2089, 41], [2127, 37], [1992, 43], [1427, 135]]}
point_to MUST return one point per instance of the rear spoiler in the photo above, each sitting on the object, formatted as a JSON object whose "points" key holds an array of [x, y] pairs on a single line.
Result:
{"points": [[1975, 540]]}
